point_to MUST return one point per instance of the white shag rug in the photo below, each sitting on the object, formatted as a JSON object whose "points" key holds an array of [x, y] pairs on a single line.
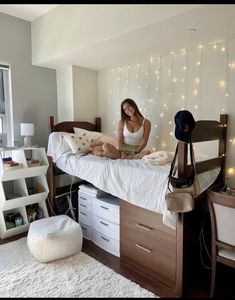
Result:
{"points": [[77, 276]]}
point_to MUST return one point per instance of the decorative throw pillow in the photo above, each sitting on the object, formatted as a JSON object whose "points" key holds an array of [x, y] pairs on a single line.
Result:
{"points": [[91, 135], [78, 143]]}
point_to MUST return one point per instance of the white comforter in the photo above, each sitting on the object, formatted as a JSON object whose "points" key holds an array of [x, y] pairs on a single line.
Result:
{"points": [[135, 181]]}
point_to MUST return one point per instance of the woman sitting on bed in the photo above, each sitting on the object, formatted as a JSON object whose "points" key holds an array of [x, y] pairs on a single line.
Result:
{"points": [[133, 135]]}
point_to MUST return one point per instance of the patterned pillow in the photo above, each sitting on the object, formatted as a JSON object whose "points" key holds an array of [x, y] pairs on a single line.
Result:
{"points": [[78, 143], [91, 135]]}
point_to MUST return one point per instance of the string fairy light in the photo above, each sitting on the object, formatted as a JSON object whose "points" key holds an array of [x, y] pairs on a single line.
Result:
{"points": [[186, 81], [150, 87], [172, 74], [227, 70]]}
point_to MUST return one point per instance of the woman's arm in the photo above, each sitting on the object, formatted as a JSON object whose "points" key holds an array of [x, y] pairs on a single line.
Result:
{"points": [[120, 135], [144, 141]]}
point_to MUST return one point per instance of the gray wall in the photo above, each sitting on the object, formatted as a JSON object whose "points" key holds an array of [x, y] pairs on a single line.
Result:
{"points": [[34, 93]]}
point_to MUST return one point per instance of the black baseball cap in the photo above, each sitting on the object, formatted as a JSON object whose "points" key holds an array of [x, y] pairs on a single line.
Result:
{"points": [[184, 125]]}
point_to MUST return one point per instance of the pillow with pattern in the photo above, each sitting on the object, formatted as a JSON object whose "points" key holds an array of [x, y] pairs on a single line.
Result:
{"points": [[78, 143], [91, 135]]}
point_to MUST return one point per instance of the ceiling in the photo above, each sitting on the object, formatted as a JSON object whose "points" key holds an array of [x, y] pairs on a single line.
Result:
{"points": [[28, 12], [169, 32]]}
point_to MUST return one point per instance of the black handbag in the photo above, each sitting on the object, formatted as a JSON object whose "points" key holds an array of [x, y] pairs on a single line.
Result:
{"points": [[182, 182]]}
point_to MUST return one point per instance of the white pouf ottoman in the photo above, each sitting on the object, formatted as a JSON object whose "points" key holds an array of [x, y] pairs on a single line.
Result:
{"points": [[53, 238]]}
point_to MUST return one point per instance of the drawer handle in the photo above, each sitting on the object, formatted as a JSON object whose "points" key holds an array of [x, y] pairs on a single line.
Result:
{"points": [[104, 223], [104, 207], [83, 213], [83, 198], [144, 227], [104, 238], [143, 248], [83, 205]]}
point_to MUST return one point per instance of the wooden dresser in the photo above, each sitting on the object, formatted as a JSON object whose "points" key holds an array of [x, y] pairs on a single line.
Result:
{"points": [[147, 244]]}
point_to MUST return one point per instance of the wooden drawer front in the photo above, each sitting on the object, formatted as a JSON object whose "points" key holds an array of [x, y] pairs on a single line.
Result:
{"points": [[85, 198], [86, 230], [151, 238], [85, 216], [106, 243], [106, 227], [150, 261], [106, 210], [147, 243], [143, 216]]}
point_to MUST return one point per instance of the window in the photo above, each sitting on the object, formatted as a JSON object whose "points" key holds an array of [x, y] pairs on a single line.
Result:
{"points": [[6, 116]]}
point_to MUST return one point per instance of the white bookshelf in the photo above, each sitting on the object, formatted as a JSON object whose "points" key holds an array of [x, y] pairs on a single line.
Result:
{"points": [[21, 186]]}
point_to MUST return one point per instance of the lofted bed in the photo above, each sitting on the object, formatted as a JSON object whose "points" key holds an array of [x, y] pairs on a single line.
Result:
{"points": [[160, 244]]}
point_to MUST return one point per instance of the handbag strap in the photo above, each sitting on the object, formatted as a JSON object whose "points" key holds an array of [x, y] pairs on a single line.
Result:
{"points": [[173, 161], [192, 159]]}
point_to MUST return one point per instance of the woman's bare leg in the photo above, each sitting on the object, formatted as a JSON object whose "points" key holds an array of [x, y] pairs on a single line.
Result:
{"points": [[110, 151], [97, 150], [140, 155]]}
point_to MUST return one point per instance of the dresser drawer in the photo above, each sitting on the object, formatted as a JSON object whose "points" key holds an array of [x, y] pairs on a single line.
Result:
{"points": [[86, 231], [85, 216], [149, 237], [85, 198], [147, 243], [107, 208], [143, 216], [106, 227], [106, 243], [149, 260], [85, 206]]}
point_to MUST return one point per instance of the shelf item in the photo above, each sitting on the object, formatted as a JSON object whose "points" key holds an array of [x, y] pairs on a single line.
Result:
{"points": [[33, 162], [22, 187], [12, 166]]}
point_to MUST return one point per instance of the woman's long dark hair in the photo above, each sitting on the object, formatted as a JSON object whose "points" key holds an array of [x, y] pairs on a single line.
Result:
{"points": [[132, 103]]}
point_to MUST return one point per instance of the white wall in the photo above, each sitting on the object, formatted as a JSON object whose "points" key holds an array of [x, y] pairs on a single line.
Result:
{"points": [[33, 88], [85, 90], [199, 80], [64, 76]]}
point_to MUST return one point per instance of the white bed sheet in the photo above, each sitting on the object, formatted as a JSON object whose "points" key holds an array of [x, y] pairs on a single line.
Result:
{"points": [[135, 181]]}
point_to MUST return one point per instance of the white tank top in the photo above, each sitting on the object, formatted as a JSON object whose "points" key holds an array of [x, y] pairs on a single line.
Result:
{"points": [[133, 138]]}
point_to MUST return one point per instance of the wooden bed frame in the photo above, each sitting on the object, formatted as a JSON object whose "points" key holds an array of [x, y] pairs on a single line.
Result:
{"points": [[146, 243]]}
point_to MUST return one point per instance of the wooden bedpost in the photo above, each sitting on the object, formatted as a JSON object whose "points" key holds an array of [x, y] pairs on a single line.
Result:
{"points": [[98, 124], [51, 172], [222, 146], [51, 124]]}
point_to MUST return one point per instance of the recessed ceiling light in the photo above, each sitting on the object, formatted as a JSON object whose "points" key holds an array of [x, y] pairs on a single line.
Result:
{"points": [[190, 30]]}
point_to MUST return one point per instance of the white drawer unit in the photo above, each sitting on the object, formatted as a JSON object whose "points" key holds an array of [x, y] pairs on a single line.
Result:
{"points": [[106, 227], [107, 208], [107, 243], [86, 230], [85, 209], [84, 198], [105, 224], [99, 219]]}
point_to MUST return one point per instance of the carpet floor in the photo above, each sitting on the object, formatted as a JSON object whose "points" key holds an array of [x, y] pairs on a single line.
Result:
{"points": [[77, 276]]}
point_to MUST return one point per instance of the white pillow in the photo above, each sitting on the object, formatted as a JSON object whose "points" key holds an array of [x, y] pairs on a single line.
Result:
{"points": [[91, 135], [78, 143], [57, 145]]}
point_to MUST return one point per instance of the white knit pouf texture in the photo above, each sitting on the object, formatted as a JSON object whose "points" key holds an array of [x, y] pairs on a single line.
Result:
{"points": [[54, 238]]}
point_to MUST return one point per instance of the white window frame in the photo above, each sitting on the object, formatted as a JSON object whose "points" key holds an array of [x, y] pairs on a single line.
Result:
{"points": [[7, 117]]}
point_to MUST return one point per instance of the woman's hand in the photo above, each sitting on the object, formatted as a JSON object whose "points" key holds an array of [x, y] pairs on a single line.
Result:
{"points": [[123, 155], [120, 147]]}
